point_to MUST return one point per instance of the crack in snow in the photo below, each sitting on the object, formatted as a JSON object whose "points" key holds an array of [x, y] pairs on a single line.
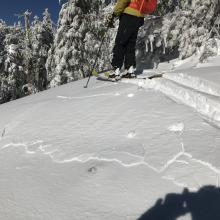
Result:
{"points": [[209, 165], [183, 185], [140, 160], [13, 145]]}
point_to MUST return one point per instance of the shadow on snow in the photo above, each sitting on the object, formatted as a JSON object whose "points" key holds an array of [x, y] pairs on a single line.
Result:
{"points": [[201, 205]]}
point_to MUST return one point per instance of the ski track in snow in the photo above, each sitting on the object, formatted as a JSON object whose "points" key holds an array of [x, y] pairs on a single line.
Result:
{"points": [[89, 96], [130, 95], [39, 147]]}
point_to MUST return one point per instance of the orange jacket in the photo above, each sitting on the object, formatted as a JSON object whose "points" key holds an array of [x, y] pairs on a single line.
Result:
{"points": [[123, 6]]}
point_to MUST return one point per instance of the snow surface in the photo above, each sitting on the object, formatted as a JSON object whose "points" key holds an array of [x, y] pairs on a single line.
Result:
{"points": [[109, 151]]}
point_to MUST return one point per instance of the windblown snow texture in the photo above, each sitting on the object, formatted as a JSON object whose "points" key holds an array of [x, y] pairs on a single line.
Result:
{"points": [[112, 150]]}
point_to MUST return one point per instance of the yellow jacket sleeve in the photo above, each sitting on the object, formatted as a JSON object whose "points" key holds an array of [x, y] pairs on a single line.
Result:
{"points": [[120, 6]]}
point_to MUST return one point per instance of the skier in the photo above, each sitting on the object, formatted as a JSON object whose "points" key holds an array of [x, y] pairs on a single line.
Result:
{"points": [[131, 16]]}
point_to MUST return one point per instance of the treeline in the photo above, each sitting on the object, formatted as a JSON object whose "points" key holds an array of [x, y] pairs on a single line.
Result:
{"points": [[23, 56]]}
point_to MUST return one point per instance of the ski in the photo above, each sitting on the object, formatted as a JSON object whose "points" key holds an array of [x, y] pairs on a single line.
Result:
{"points": [[97, 73], [105, 77], [159, 75]]}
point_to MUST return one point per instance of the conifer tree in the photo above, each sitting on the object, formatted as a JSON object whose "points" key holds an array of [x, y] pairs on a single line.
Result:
{"points": [[3, 32], [14, 74], [3, 75], [28, 52], [75, 42], [42, 39], [179, 32]]}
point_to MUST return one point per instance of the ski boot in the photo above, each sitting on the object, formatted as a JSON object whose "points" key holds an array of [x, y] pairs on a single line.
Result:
{"points": [[129, 74], [114, 75]]}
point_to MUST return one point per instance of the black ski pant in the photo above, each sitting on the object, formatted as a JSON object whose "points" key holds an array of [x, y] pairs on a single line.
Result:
{"points": [[125, 42]]}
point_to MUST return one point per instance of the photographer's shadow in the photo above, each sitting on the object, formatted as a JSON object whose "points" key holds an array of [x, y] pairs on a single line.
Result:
{"points": [[201, 205]]}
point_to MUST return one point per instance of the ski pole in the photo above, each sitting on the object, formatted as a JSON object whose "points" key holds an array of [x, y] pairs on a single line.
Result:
{"points": [[97, 57]]}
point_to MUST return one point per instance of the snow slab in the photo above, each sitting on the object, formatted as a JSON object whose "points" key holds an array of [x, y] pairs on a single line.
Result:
{"points": [[197, 87], [204, 78], [195, 74], [106, 152]]}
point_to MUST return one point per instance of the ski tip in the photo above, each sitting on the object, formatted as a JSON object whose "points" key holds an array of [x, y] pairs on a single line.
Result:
{"points": [[159, 75], [106, 74], [95, 73]]}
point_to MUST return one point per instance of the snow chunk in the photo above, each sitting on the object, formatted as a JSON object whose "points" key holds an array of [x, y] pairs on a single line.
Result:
{"points": [[179, 127], [131, 134], [130, 95]]}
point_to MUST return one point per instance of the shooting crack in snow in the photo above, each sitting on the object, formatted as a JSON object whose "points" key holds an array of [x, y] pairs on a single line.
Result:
{"points": [[136, 160]]}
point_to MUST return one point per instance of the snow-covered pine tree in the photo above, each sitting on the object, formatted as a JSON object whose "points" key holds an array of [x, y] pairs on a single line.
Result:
{"points": [[14, 76], [76, 41], [3, 32], [197, 26], [3, 77], [28, 52], [106, 53], [182, 29], [41, 40], [167, 6], [36, 29]]}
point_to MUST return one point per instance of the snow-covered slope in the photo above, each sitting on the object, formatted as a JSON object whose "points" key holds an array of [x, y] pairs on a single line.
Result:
{"points": [[109, 151]]}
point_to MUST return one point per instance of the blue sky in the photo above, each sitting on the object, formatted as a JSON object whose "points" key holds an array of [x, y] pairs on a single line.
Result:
{"points": [[10, 7]]}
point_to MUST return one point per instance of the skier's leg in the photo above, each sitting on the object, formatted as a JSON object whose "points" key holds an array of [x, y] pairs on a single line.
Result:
{"points": [[130, 60], [123, 35]]}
